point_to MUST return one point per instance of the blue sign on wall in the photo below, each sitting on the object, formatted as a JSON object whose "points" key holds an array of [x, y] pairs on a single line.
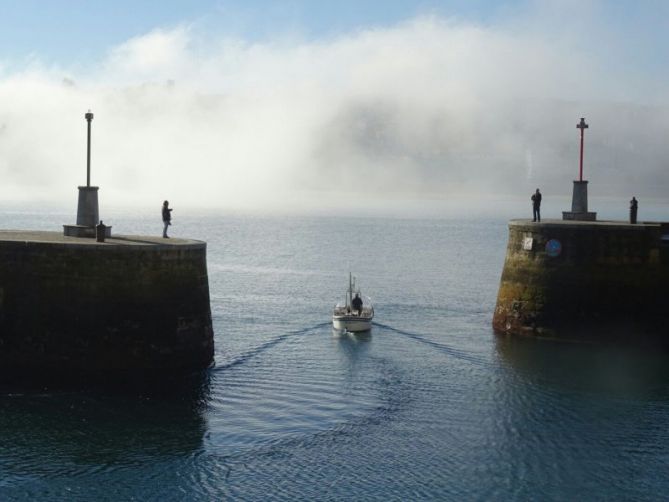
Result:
{"points": [[553, 248]]}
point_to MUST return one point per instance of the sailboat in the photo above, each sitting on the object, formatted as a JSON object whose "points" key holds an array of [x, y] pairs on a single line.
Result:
{"points": [[356, 313]]}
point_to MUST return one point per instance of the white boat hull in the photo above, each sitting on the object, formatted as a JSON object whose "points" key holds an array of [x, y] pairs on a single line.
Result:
{"points": [[356, 314], [351, 323]]}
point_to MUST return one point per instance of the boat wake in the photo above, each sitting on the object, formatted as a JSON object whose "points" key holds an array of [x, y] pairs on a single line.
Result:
{"points": [[451, 351], [251, 353]]}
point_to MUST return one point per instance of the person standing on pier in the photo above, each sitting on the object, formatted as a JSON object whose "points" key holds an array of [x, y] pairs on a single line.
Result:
{"points": [[536, 206], [634, 206], [167, 218]]}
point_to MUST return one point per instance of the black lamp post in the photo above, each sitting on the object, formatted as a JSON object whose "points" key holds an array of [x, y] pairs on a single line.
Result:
{"points": [[89, 119]]}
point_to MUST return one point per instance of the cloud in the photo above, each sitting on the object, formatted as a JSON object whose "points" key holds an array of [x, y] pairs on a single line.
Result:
{"points": [[154, 56], [429, 108]]}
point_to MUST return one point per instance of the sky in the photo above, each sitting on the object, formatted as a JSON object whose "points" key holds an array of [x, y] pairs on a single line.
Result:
{"points": [[303, 104]]}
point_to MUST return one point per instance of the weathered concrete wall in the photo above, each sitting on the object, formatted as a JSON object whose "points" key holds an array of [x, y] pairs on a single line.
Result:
{"points": [[68, 307], [608, 281]]}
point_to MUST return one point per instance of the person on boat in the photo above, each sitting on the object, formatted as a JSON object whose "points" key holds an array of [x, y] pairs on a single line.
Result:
{"points": [[356, 303]]}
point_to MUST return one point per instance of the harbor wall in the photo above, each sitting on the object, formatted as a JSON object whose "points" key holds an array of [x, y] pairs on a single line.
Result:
{"points": [[67, 307], [585, 281]]}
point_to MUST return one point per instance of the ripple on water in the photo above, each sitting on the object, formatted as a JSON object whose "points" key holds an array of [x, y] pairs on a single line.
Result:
{"points": [[294, 390]]}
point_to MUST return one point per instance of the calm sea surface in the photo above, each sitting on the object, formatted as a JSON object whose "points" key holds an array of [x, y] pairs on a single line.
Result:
{"points": [[430, 405]]}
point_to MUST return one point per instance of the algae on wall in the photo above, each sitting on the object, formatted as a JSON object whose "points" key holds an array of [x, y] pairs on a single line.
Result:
{"points": [[581, 280]]}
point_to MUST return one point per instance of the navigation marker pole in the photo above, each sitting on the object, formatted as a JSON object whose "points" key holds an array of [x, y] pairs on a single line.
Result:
{"points": [[582, 126], [579, 200]]}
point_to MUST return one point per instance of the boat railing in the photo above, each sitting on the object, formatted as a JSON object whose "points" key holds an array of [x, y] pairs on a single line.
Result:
{"points": [[367, 311]]}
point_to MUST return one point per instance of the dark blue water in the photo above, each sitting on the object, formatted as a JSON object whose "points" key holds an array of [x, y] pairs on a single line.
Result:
{"points": [[429, 405]]}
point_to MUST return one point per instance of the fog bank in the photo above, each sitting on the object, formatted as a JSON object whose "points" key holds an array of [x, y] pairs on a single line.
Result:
{"points": [[430, 109]]}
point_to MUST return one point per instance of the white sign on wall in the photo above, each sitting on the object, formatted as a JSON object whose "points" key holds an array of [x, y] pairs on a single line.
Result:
{"points": [[527, 243]]}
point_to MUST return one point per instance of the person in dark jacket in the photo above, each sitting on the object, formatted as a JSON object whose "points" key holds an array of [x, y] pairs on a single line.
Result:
{"points": [[536, 206], [356, 303], [634, 206], [167, 218]]}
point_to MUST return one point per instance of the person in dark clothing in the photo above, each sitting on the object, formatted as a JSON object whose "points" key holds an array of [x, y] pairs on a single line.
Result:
{"points": [[634, 206], [356, 303], [167, 218], [536, 206]]}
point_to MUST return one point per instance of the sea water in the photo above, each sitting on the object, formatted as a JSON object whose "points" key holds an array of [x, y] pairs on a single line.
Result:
{"points": [[430, 405]]}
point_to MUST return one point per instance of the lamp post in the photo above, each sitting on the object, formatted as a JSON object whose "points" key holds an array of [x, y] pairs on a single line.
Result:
{"points": [[89, 119], [88, 214]]}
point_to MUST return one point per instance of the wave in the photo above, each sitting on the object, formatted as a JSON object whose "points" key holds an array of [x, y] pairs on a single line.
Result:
{"points": [[451, 351], [249, 354]]}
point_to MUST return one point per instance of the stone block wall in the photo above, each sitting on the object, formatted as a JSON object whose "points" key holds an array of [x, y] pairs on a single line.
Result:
{"points": [[69, 308], [579, 280]]}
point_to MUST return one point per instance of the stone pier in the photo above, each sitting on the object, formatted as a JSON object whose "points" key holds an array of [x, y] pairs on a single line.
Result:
{"points": [[580, 280], [131, 303]]}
